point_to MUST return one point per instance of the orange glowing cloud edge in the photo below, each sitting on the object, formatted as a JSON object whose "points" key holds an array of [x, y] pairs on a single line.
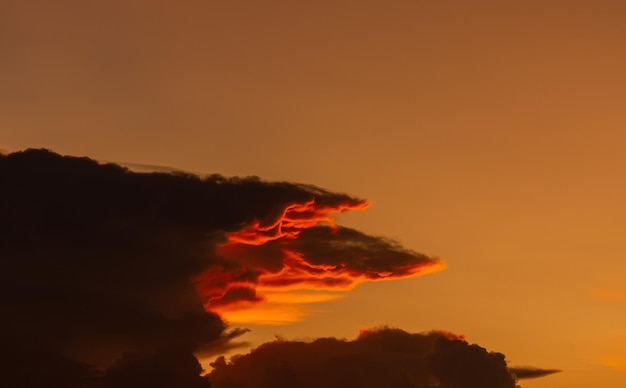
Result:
{"points": [[281, 305], [274, 301], [444, 333], [295, 217], [345, 281]]}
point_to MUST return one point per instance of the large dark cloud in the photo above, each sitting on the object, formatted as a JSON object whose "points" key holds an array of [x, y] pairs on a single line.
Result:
{"points": [[98, 260], [113, 278], [23, 366], [379, 358]]}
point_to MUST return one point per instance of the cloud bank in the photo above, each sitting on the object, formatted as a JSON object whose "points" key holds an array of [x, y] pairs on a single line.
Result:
{"points": [[379, 358], [99, 261]]}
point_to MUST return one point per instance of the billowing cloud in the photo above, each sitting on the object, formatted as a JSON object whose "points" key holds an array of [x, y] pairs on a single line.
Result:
{"points": [[133, 273], [98, 260], [377, 358], [457, 364]]}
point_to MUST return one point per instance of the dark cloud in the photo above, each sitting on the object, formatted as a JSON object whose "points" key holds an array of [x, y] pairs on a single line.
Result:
{"points": [[98, 260], [98, 242], [108, 269], [172, 366], [25, 366], [456, 364], [379, 358]]}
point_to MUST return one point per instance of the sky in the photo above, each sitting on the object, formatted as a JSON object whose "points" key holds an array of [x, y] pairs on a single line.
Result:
{"points": [[485, 133]]}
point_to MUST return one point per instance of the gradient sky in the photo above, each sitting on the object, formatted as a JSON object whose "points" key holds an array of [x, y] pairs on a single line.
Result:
{"points": [[488, 133]]}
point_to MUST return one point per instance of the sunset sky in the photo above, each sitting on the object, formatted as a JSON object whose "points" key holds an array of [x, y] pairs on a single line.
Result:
{"points": [[489, 134]]}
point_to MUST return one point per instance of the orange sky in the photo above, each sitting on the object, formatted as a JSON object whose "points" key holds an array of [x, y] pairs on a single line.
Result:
{"points": [[488, 133]]}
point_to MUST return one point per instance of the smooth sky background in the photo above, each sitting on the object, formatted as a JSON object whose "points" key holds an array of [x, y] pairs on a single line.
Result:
{"points": [[488, 133]]}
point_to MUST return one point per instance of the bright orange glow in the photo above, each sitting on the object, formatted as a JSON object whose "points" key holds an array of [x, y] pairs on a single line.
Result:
{"points": [[269, 259], [278, 308], [263, 313], [299, 297], [615, 362]]}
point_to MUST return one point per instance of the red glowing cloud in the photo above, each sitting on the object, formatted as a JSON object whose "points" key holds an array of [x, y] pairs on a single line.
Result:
{"points": [[299, 249], [294, 218]]}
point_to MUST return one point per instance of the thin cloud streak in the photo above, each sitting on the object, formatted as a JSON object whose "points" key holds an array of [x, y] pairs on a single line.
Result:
{"points": [[528, 372]]}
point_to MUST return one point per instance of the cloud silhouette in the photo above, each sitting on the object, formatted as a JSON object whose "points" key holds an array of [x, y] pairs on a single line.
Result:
{"points": [[456, 364], [98, 260], [133, 273], [378, 358]]}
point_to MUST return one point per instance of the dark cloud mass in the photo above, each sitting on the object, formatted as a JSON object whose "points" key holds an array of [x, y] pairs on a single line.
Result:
{"points": [[113, 279], [172, 366], [381, 358], [98, 261], [455, 363]]}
